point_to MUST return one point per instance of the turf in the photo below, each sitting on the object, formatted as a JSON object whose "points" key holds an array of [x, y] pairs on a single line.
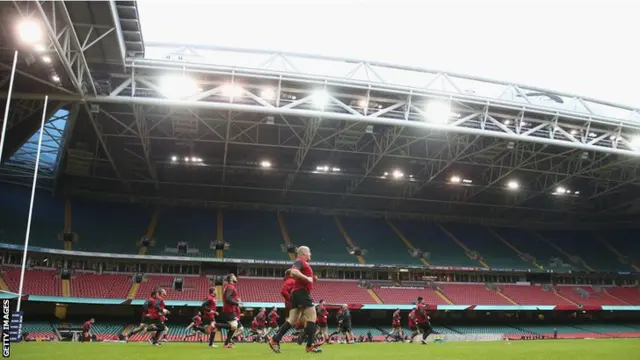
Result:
{"points": [[619, 349]]}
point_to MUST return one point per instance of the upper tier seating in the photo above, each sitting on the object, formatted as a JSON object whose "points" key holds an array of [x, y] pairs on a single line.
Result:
{"points": [[381, 243], [105, 286], [321, 234], [472, 294], [36, 282], [528, 243], [588, 248], [253, 234], [494, 252], [429, 238], [198, 227]]}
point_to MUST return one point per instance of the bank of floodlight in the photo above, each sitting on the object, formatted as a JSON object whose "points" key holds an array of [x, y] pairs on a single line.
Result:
{"points": [[30, 32], [177, 86], [268, 94], [320, 98], [513, 185], [439, 111], [265, 164], [232, 91]]}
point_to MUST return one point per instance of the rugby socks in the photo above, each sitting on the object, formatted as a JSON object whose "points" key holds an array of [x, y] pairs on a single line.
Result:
{"points": [[229, 335], [212, 336], [283, 330], [310, 329]]}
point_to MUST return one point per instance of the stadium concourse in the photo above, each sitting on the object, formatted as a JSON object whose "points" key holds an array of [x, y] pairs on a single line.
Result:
{"points": [[130, 167]]}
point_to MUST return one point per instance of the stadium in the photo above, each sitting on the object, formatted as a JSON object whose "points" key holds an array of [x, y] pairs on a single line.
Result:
{"points": [[129, 166]]}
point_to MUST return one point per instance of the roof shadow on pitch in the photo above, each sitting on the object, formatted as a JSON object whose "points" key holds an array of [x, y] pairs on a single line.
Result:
{"points": [[54, 130]]}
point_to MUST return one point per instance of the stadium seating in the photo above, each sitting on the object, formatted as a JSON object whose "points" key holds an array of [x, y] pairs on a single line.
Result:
{"points": [[472, 294], [253, 234], [582, 244], [531, 295], [38, 331], [399, 295], [571, 292], [332, 291], [36, 282], [194, 287], [198, 227], [47, 219], [428, 237], [487, 245], [381, 243], [526, 242], [322, 234], [487, 329], [630, 295], [624, 243], [111, 285]]}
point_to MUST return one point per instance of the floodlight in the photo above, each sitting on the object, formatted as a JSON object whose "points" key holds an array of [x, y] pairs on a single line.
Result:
{"points": [[320, 98], [560, 190], [397, 174], [438, 111], [574, 132], [46, 59], [513, 185], [467, 181], [335, 169], [268, 94], [363, 103], [455, 179], [577, 193], [194, 159], [186, 159], [232, 90], [40, 48], [265, 164], [174, 158], [177, 86], [55, 78], [30, 32], [386, 173], [507, 122], [635, 141]]}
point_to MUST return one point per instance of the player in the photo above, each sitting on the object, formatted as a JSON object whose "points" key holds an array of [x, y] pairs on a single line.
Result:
{"points": [[209, 316], [396, 328], [299, 332], [262, 323], [322, 332], [145, 322], [301, 302], [230, 308], [412, 323], [286, 289], [196, 328], [339, 329], [422, 320], [158, 315], [273, 321], [87, 328], [346, 325]]}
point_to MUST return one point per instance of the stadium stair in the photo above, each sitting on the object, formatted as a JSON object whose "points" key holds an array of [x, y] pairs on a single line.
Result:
{"points": [[218, 291], [506, 297], [442, 296], [615, 251], [66, 288], [150, 231], [555, 291], [220, 233], [285, 234], [374, 296], [133, 291], [67, 221], [512, 247], [560, 250], [462, 245], [347, 239], [605, 292], [3, 285], [406, 241]]}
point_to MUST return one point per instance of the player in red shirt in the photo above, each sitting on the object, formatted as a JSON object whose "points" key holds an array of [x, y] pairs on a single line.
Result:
{"points": [[196, 327], [422, 320], [87, 334], [321, 322], [209, 315], [145, 323], [273, 320], [230, 308], [286, 289], [301, 302], [412, 323], [158, 315], [396, 328]]}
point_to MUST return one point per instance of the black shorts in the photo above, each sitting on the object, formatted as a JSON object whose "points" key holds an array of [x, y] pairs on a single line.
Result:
{"points": [[322, 324], [425, 327], [346, 327], [146, 320], [227, 317], [413, 328], [301, 299]]}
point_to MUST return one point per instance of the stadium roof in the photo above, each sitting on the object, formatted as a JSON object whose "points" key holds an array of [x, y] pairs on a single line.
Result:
{"points": [[195, 123]]}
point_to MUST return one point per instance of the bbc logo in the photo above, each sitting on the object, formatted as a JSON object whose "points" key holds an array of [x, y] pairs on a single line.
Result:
{"points": [[6, 328]]}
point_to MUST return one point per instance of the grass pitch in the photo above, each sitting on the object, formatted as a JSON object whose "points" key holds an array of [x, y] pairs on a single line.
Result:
{"points": [[619, 349]]}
